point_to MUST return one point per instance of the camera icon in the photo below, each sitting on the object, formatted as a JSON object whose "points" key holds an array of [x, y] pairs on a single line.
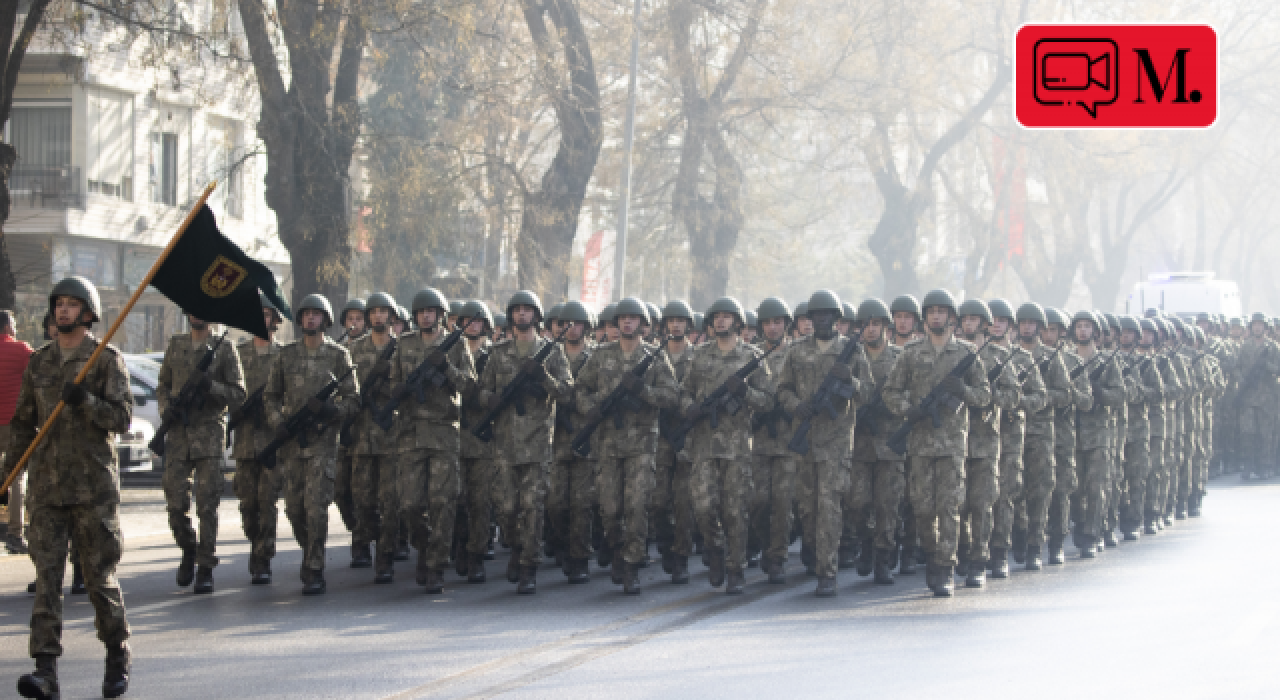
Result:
{"points": [[1083, 72]]}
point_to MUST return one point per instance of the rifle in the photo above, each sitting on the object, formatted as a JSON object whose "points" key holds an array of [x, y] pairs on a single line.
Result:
{"points": [[1096, 373], [416, 383], [1043, 366], [190, 399], [515, 390], [251, 408], [933, 404], [821, 400], [482, 359], [719, 399], [616, 404], [368, 388], [301, 422], [992, 375]]}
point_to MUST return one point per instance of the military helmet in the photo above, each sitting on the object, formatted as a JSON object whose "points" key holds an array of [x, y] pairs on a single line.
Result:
{"points": [[1259, 316], [553, 313], [1237, 321], [1198, 333], [802, 310], [403, 314], [753, 321], [526, 298], [975, 307], [267, 304], [1054, 315], [1112, 320], [379, 300], [455, 306], [773, 307], [677, 308], [1000, 309], [631, 306], [1032, 311], [726, 305], [575, 311], [1152, 313], [906, 303], [609, 314], [79, 288], [476, 309], [825, 300], [319, 303], [1129, 323], [499, 319], [874, 308], [655, 314], [850, 313], [429, 298], [699, 319], [351, 305], [1206, 316], [1087, 315], [1179, 325], [939, 297], [1147, 325]]}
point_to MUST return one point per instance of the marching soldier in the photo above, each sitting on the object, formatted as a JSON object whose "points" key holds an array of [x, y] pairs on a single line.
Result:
{"points": [[1095, 434], [476, 455], [194, 445], [907, 320], [1158, 492], [1143, 390], [257, 487], [773, 468], [300, 371], [672, 499], [73, 484], [352, 322], [1066, 477], [572, 493]]}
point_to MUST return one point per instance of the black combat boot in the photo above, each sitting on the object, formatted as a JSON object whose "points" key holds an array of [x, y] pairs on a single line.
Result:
{"points": [[944, 586], [187, 568], [1056, 556], [475, 569], [866, 558], [806, 558], [777, 573], [1032, 557], [579, 572], [1150, 528], [314, 583], [422, 571], [77, 579], [977, 575], [384, 576], [907, 561], [604, 557], [1088, 548], [826, 587], [461, 562], [737, 582], [667, 555], [1109, 539], [618, 570], [1019, 545], [930, 576], [513, 566], [999, 563], [962, 567], [715, 567], [43, 682], [402, 550], [115, 681], [528, 581], [883, 572], [360, 558], [1181, 513], [204, 580], [847, 558], [435, 581], [261, 577], [679, 569], [631, 579]]}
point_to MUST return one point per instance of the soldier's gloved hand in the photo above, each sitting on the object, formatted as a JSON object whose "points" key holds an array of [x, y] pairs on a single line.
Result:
{"points": [[953, 385], [325, 411], [4, 497], [281, 434], [381, 367], [803, 412], [739, 387], [74, 394], [694, 413], [204, 382], [494, 402], [595, 416], [840, 370], [533, 368], [437, 359], [915, 414], [630, 382]]}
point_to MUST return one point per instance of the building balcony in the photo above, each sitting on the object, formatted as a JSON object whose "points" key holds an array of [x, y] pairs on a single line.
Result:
{"points": [[44, 187]]}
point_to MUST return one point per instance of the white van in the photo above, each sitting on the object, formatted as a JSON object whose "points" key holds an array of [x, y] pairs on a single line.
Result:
{"points": [[1185, 293]]}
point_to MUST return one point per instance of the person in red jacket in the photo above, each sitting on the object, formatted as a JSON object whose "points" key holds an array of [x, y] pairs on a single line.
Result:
{"points": [[14, 354]]}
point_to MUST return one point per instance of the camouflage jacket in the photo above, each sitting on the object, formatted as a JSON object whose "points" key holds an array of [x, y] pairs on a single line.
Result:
{"points": [[921, 368], [472, 447], [1057, 387], [764, 442], [433, 424], [1142, 388], [1032, 398], [805, 369], [206, 435], [369, 438], [1096, 426], [868, 447], [254, 434], [602, 373], [567, 418], [1173, 388], [709, 368], [298, 374], [984, 421], [680, 365], [76, 463], [1190, 388], [524, 439], [1081, 399]]}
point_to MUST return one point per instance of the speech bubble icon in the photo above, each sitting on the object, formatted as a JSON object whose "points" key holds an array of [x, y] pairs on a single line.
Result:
{"points": [[1083, 72]]}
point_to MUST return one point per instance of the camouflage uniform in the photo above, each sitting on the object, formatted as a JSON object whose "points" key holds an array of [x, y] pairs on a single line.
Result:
{"points": [[935, 481], [1040, 479], [671, 502], [477, 472], [193, 453], [1067, 475], [1158, 483], [1216, 386], [721, 476], [297, 374], [427, 438], [981, 467], [625, 455], [522, 443], [1143, 391], [257, 488], [823, 473], [73, 485], [375, 499], [572, 493], [342, 495], [773, 477], [1013, 426], [1184, 420], [1095, 441], [878, 477]]}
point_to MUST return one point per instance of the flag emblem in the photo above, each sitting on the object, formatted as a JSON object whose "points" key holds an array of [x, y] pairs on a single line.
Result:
{"points": [[222, 278]]}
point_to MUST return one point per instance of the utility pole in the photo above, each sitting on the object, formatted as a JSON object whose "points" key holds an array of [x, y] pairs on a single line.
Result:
{"points": [[628, 139]]}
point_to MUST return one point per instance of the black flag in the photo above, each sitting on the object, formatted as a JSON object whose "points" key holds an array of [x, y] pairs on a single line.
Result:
{"points": [[212, 279]]}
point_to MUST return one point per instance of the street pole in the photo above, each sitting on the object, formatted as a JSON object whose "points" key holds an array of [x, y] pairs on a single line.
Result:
{"points": [[628, 139]]}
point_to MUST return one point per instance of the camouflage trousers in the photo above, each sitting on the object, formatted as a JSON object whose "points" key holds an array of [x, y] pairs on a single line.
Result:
{"points": [[773, 480], [1173, 446], [429, 488], [204, 477], [1089, 502], [375, 496], [977, 515], [820, 488], [258, 489], [1200, 467], [1066, 480], [1039, 479], [570, 499], [1180, 489], [936, 488], [624, 485], [1133, 485], [519, 499], [671, 504], [721, 489], [308, 492], [342, 489], [477, 494], [1008, 496], [1156, 478], [96, 530], [870, 505]]}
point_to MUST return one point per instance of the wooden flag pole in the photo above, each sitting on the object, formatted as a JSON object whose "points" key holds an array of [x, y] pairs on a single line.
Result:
{"points": [[115, 325]]}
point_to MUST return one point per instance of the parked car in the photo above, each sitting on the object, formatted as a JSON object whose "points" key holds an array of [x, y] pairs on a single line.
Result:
{"points": [[144, 377], [131, 447]]}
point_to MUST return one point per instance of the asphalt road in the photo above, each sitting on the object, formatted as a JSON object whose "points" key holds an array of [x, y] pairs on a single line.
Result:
{"points": [[1190, 613]]}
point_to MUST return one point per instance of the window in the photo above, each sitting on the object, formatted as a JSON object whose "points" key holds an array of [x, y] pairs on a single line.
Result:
{"points": [[224, 163], [96, 260], [163, 167], [110, 143], [42, 135]]}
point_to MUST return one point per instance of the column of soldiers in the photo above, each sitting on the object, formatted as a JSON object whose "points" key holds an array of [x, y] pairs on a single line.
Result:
{"points": [[884, 437]]}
